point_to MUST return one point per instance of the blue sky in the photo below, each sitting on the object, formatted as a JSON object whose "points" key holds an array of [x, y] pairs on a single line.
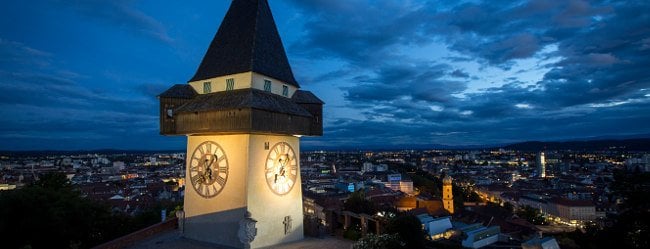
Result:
{"points": [[83, 74]]}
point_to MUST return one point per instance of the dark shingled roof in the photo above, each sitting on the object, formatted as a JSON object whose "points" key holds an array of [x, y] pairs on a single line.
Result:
{"points": [[243, 98], [247, 40], [182, 91], [306, 97]]}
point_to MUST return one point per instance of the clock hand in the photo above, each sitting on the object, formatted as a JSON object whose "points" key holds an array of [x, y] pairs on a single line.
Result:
{"points": [[283, 164], [208, 170]]}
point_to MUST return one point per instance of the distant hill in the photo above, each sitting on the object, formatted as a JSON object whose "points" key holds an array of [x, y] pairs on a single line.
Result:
{"points": [[385, 147], [82, 152], [638, 144]]}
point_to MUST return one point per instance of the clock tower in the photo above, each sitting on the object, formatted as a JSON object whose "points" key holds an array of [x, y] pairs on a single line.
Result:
{"points": [[243, 113]]}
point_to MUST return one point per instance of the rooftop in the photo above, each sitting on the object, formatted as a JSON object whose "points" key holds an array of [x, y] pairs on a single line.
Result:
{"points": [[247, 41]]}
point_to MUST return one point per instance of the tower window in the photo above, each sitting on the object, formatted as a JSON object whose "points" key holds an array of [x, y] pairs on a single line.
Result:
{"points": [[230, 84], [207, 87], [285, 91], [267, 85]]}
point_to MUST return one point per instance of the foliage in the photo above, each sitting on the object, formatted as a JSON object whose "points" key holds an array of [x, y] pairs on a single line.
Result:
{"points": [[632, 224], [509, 207], [426, 185], [444, 244], [462, 195], [352, 234], [384, 241], [409, 228], [532, 215], [630, 229], [51, 214], [54, 181], [357, 203]]}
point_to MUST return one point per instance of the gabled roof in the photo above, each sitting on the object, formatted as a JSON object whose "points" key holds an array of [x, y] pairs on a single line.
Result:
{"points": [[243, 98], [247, 40], [182, 91]]}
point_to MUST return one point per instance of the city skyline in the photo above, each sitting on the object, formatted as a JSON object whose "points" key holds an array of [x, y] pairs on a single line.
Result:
{"points": [[84, 75]]}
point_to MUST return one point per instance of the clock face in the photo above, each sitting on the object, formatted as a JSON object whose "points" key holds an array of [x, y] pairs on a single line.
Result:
{"points": [[281, 168], [208, 169]]}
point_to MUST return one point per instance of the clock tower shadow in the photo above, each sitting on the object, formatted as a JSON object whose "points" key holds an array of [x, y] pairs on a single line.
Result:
{"points": [[223, 230]]}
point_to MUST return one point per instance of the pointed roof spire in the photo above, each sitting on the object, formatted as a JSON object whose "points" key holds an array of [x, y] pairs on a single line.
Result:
{"points": [[247, 40]]}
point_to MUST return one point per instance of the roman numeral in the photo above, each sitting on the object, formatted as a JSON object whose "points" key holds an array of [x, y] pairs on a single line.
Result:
{"points": [[200, 189], [197, 179], [221, 181]]}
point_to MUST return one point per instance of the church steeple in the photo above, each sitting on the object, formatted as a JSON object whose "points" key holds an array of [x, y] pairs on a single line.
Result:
{"points": [[447, 195], [247, 41]]}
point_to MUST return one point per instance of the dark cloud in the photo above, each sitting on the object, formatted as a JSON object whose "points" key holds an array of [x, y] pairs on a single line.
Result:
{"points": [[14, 54], [458, 73], [121, 13], [382, 57], [600, 48], [544, 127], [46, 107], [360, 31], [419, 82]]}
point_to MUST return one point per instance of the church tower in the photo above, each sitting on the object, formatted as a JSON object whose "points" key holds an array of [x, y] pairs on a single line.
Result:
{"points": [[541, 165], [447, 196], [243, 114]]}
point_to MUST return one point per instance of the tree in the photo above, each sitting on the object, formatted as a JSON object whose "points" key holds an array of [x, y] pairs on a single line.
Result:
{"points": [[629, 229], [532, 215], [409, 229], [51, 214], [54, 181], [509, 207], [632, 225], [357, 203], [384, 241]]}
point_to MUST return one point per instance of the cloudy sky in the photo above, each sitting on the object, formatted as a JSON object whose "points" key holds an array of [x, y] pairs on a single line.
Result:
{"points": [[83, 74]]}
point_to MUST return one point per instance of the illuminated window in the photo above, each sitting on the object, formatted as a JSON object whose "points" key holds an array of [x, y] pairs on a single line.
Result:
{"points": [[207, 87], [285, 91], [267, 85], [230, 84]]}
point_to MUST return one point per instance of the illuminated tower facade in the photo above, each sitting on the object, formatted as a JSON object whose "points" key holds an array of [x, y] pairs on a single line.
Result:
{"points": [[541, 165], [447, 195], [243, 114]]}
